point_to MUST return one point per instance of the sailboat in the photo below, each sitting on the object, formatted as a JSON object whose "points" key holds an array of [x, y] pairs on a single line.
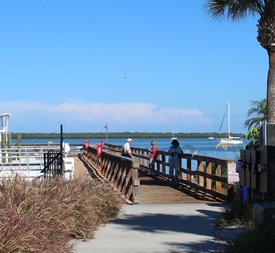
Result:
{"points": [[173, 138], [230, 140], [211, 137]]}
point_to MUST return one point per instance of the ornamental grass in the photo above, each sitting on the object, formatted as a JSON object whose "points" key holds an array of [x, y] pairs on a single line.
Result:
{"points": [[44, 215]]}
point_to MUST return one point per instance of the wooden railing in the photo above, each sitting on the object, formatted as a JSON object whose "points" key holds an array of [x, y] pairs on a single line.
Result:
{"points": [[206, 175], [120, 171]]}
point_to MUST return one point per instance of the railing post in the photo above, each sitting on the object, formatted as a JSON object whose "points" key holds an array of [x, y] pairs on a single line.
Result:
{"points": [[158, 164], [201, 178], [135, 182], [163, 167], [218, 173], [188, 164], [208, 171]]}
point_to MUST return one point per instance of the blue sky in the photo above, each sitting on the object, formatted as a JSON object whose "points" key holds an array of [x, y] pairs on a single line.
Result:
{"points": [[150, 66]]}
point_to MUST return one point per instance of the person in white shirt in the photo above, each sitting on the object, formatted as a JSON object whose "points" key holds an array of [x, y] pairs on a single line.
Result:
{"points": [[126, 149]]}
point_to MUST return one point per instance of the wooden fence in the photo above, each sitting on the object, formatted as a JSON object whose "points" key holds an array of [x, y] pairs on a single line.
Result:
{"points": [[206, 175]]}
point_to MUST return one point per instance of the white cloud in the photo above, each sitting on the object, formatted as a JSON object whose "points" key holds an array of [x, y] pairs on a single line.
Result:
{"points": [[30, 116]]}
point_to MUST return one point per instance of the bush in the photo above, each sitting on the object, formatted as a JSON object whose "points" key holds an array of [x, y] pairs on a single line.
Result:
{"points": [[260, 239], [236, 213], [255, 238], [43, 216]]}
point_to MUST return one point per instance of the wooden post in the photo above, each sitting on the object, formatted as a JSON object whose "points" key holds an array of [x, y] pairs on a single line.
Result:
{"points": [[163, 167], [208, 171], [18, 138], [179, 172], [219, 174], [135, 182], [188, 176], [9, 146], [201, 178], [3, 146], [158, 164]]}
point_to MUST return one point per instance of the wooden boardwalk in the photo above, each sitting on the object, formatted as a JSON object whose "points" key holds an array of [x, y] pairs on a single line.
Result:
{"points": [[80, 170], [158, 190], [153, 189]]}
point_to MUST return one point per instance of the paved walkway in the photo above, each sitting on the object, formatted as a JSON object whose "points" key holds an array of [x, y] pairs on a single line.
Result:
{"points": [[156, 228]]}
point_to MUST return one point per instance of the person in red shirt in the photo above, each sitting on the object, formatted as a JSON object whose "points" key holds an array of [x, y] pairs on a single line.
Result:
{"points": [[153, 155]]}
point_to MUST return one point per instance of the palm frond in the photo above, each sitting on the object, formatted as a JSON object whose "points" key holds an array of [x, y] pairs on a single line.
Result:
{"points": [[258, 111], [233, 9]]}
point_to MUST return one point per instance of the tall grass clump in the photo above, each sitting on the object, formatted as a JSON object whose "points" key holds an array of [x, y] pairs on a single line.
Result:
{"points": [[259, 239], [255, 237], [236, 213], [43, 216]]}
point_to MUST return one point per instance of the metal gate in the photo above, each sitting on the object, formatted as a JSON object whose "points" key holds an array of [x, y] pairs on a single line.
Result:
{"points": [[53, 161]]}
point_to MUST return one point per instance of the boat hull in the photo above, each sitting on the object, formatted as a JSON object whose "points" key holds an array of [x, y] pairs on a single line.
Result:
{"points": [[231, 141]]}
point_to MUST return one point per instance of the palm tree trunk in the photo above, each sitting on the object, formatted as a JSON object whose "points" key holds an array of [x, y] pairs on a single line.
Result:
{"points": [[271, 98]]}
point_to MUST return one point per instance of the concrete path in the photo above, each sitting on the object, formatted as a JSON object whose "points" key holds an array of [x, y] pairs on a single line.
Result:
{"points": [[156, 228]]}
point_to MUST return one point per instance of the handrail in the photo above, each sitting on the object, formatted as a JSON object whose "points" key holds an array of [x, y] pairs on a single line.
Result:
{"points": [[204, 174], [120, 171]]}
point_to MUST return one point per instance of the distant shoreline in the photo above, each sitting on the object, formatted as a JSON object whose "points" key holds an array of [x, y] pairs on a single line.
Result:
{"points": [[118, 135]]}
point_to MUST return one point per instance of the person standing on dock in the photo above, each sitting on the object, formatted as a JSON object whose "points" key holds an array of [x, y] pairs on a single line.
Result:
{"points": [[126, 149], [174, 160], [153, 155]]}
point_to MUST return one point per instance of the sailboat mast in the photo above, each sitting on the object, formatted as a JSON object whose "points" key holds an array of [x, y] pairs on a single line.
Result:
{"points": [[228, 115]]}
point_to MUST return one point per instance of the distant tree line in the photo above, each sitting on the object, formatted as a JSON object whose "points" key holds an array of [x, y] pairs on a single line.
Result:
{"points": [[119, 135]]}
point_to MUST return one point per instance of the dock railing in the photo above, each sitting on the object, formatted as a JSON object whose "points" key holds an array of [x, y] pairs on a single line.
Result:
{"points": [[206, 176], [27, 161], [120, 171], [33, 162]]}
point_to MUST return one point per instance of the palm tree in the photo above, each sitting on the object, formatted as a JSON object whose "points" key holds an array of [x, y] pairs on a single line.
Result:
{"points": [[265, 9], [258, 111]]}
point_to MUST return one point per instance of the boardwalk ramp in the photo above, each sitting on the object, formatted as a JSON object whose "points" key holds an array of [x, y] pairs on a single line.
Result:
{"points": [[154, 189]]}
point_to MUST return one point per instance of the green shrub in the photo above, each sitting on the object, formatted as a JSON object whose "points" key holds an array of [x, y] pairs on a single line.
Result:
{"points": [[255, 238], [236, 213], [260, 239]]}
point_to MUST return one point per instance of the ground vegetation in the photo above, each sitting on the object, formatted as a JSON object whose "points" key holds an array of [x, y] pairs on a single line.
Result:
{"points": [[247, 234], [44, 215], [257, 114]]}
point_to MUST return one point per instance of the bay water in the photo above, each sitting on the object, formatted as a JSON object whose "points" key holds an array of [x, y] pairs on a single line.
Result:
{"points": [[198, 146]]}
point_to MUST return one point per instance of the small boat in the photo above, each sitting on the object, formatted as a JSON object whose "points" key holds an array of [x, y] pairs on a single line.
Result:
{"points": [[173, 138], [211, 137], [230, 140]]}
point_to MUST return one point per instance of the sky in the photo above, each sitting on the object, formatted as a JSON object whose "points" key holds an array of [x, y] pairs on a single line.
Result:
{"points": [[137, 66]]}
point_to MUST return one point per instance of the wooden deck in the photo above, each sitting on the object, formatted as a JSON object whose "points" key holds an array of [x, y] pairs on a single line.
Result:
{"points": [[80, 169], [158, 190], [153, 189]]}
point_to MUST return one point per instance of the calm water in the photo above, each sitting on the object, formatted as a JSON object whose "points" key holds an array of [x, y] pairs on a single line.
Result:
{"points": [[200, 146]]}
